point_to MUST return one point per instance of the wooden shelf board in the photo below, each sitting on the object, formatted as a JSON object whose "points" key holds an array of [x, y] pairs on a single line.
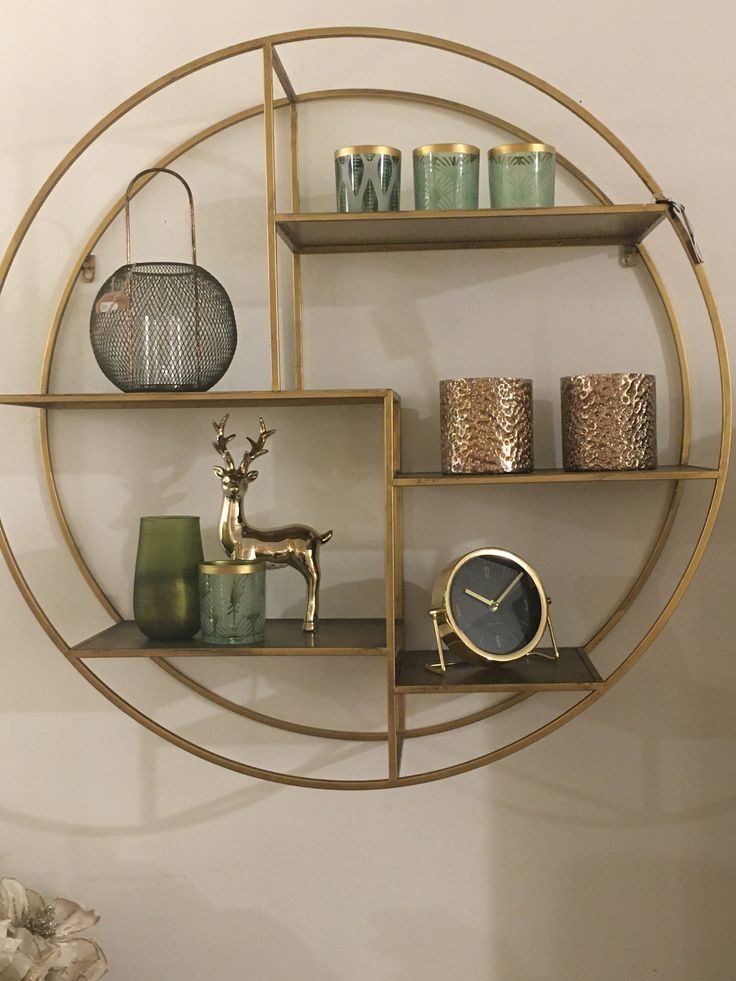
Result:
{"points": [[554, 476], [283, 637], [183, 400], [482, 228], [572, 672]]}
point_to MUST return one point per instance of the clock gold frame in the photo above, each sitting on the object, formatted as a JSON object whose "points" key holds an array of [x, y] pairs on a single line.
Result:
{"points": [[270, 48], [449, 631]]}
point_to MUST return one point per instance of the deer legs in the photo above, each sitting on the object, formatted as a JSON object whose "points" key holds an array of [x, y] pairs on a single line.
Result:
{"points": [[308, 565]]}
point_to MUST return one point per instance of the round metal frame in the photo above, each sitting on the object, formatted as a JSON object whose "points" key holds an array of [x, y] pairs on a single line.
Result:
{"points": [[268, 47]]}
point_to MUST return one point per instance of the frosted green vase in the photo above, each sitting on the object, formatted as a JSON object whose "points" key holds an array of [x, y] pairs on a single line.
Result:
{"points": [[166, 590], [446, 177], [522, 175]]}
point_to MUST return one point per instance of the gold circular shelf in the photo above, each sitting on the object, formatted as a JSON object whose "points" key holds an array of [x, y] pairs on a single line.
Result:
{"points": [[268, 46]]}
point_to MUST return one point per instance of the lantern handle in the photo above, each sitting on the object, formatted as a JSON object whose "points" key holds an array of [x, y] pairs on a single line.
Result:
{"points": [[159, 170]]}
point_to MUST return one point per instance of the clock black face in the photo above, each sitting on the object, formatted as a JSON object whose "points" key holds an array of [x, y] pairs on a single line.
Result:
{"points": [[496, 603]]}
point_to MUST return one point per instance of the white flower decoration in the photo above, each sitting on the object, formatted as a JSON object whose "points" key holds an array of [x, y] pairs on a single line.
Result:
{"points": [[39, 941]]}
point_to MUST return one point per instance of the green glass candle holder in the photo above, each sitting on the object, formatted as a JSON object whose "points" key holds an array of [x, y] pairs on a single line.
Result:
{"points": [[446, 177], [166, 590], [368, 178], [522, 175], [232, 595]]}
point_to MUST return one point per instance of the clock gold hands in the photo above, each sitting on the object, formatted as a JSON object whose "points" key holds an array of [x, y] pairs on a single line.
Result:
{"points": [[484, 599], [494, 604], [508, 589]]}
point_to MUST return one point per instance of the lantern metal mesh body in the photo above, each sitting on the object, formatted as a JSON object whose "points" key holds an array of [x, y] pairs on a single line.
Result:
{"points": [[163, 327]]}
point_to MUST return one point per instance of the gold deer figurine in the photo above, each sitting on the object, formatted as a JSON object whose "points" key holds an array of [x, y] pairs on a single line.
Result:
{"points": [[294, 545]]}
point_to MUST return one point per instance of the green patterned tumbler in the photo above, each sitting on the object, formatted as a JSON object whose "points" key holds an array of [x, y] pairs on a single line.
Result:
{"points": [[232, 595], [522, 175], [166, 593], [368, 178], [446, 177]]}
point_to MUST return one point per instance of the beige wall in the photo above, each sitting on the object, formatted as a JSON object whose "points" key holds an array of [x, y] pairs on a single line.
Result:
{"points": [[604, 851]]}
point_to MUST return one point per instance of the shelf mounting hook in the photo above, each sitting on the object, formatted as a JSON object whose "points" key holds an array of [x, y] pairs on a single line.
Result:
{"points": [[677, 212]]}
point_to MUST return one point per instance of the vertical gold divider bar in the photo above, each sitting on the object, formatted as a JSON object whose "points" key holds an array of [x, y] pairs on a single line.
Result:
{"points": [[394, 578], [398, 523], [271, 244], [296, 259]]}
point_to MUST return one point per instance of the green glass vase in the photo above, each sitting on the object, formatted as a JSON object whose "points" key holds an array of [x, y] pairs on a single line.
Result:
{"points": [[166, 588]]}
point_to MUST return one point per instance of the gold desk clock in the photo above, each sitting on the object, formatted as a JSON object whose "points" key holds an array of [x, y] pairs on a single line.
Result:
{"points": [[489, 605]]}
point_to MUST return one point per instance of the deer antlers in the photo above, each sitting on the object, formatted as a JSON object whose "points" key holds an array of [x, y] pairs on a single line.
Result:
{"points": [[257, 447]]}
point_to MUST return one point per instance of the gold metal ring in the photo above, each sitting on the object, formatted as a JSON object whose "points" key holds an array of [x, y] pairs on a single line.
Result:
{"points": [[232, 567], [498, 151], [347, 151], [423, 151]]}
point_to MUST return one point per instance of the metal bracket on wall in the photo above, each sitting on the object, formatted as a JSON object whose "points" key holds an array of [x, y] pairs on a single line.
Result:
{"points": [[89, 269], [677, 212], [629, 255]]}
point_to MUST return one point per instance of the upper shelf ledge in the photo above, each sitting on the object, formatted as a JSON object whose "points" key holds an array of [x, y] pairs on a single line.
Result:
{"points": [[616, 224], [211, 399]]}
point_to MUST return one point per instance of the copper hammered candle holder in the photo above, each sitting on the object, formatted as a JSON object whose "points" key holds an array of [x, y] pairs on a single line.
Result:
{"points": [[486, 425], [609, 422]]}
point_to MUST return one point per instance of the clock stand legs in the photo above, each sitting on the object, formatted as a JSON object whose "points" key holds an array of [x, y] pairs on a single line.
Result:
{"points": [[440, 667], [555, 655]]}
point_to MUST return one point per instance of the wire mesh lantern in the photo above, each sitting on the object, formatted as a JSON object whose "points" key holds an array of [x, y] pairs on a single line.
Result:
{"points": [[162, 326]]}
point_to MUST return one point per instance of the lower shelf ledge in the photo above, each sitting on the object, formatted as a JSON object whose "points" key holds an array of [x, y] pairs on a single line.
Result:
{"points": [[572, 672], [556, 476], [340, 638]]}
